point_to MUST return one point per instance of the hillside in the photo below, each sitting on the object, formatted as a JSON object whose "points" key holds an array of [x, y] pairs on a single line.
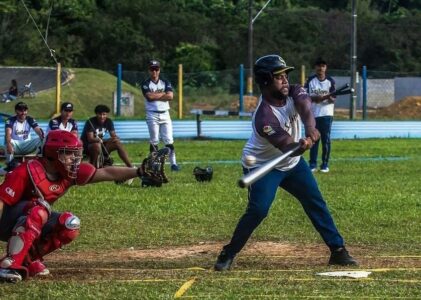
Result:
{"points": [[86, 89]]}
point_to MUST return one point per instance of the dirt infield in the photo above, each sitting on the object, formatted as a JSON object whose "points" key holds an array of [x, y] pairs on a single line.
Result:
{"points": [[127, 263]]}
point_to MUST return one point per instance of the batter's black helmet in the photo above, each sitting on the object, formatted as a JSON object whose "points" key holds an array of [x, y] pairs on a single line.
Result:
{"points": [[266, 66], [203, 174]]}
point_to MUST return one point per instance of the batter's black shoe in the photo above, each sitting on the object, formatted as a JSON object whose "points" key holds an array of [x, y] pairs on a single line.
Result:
{"points": [[223, 262], [341, 257]]}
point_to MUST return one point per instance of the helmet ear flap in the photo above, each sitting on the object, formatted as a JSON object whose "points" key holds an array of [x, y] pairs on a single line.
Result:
{"points": [[263, 77]]}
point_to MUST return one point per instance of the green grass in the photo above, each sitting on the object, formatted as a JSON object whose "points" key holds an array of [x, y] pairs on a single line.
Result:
{"points": [[372, 191]]}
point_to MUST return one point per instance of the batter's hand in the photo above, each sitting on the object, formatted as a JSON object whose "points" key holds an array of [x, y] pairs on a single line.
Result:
{"points": [[313, 134], [306, 144]]}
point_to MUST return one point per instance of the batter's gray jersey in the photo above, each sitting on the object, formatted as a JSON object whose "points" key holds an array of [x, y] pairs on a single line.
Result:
{"points": [[270, 120]]}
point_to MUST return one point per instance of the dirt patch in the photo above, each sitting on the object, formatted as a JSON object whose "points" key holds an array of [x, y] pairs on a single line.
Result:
{"points": [[406, 108], [172, 263], [291, 253]]}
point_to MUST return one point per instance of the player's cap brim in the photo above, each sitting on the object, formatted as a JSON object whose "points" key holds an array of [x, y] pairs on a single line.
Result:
{"points": [[286, 70]]}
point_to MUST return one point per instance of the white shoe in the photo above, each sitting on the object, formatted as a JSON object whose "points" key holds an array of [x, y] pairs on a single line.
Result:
{"points": [[324, 170], [313, 170], [10, 275]]}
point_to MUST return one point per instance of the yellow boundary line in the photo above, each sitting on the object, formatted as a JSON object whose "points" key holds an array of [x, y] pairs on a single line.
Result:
{"points": [[191, 281], [183, 289], [321, 256]]}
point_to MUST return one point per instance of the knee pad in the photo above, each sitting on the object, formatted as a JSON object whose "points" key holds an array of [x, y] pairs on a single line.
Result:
{"points": [[64, 231], [68, 229]]}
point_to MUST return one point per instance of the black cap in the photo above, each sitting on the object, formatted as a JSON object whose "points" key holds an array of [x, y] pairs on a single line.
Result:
{"points": [[154, 64], [320, 61], [67, 106], [21, 106]]}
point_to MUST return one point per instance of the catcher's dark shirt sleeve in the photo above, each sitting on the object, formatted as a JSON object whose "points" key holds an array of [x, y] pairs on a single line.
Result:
{"points": [[302, 102], [268, 127]]}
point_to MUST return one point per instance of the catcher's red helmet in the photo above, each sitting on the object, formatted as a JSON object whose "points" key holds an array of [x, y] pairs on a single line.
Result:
{"points": [[61, 145]]}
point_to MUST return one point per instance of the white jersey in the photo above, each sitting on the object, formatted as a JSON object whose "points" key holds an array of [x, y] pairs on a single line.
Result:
{"points": [[161, 85], [269, 120], [316, 87]]}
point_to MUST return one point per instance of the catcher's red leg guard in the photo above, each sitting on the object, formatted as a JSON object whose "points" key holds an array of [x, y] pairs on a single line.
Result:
{"points": [[64, 232], [27, 229]]}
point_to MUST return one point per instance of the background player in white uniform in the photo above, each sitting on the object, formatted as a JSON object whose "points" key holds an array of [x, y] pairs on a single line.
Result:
{"points": [[319, 86], [276, 130], [18, 138], [158, 92]]}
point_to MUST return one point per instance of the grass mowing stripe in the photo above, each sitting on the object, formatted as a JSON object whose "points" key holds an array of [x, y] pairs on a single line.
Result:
{"points": [[228, 162], [232, 271]]}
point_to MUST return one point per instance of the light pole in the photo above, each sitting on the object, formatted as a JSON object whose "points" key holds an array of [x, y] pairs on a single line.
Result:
{"points": [[250, 45]]}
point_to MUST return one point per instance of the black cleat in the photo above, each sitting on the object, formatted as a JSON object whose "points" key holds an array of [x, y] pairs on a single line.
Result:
{"points": [[341, 257], [224, 262]]}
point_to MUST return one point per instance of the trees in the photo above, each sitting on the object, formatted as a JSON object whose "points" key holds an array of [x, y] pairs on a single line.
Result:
{"points": [[207, 35]]}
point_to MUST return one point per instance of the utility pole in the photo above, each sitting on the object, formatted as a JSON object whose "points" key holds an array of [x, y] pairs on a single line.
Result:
{"points": [[353, 96]]}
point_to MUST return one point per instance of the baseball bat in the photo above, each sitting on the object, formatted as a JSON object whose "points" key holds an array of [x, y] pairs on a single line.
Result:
{"points": [[343, 90], [258, 173]]}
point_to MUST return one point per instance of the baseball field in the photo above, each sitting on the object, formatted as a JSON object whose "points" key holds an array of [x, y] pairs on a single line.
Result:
{"points": [[161, 243]]}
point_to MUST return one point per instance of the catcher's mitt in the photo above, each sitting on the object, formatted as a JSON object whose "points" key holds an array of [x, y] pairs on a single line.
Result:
{"points": [[203, 174], [153, 168]]}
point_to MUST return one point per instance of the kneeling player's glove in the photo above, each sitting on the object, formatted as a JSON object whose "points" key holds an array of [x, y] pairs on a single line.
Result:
{"points": [[153, 168], [203, 174]]}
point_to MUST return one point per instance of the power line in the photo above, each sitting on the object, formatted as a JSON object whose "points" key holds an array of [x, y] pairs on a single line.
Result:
{"points": [[52, 51]]}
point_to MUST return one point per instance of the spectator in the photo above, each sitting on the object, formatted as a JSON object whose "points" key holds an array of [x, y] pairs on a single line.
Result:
{"points": [[94, 141], [12, 94], [158, 93], [64, 121], [18, 139], [320, 86]]}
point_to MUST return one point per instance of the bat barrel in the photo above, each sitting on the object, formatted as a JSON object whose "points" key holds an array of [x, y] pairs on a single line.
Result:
{"points": [[258, 173]]}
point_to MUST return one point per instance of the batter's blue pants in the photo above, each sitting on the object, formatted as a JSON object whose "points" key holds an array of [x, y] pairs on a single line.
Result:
{"points": [[300, 182], [324, 126]]}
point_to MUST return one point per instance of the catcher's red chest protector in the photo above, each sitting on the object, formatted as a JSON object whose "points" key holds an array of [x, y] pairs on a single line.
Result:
{"points": [[50, 191]]}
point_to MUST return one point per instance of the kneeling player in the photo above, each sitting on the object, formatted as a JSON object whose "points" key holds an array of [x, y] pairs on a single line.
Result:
{"points": [[27, 193]]}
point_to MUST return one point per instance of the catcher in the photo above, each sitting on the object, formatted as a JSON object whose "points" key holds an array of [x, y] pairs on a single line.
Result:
{"points": [[27, 222]]}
